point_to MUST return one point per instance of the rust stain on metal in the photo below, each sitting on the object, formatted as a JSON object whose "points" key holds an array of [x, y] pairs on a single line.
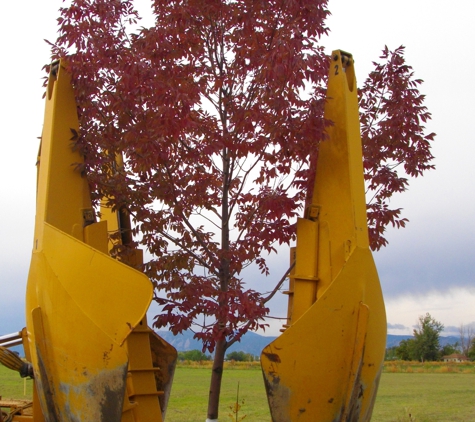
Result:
{"points": [[273, 357], [45, 390], [278, 396], [99, 399], [106, 355], [164, 356], [373, 395], [352, 411]]}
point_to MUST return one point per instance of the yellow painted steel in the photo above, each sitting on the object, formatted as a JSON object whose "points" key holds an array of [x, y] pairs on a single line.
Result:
{"points": [[326, 365], [81, 305], [152, 360]]}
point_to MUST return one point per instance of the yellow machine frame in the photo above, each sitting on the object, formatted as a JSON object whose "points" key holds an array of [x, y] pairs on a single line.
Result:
{"points": [[93, 355], [327, 363]]}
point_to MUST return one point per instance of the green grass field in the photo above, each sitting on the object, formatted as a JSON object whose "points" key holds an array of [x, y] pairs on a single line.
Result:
{"points": [[413, 396], [12, 386], [427, 397]]}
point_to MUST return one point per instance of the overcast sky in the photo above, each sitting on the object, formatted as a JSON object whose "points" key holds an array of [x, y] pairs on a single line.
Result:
{"points": [[427, 267]]}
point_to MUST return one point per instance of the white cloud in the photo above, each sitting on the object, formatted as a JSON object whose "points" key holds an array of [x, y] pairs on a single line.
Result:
{"points": [[451, 308]]}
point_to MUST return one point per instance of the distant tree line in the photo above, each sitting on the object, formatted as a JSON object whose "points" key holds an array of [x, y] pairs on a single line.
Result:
{"points": [[199, 356], [241, 357], [193, 355], [425, 344]]}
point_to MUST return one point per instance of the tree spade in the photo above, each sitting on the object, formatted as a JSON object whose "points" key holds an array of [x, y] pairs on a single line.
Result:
{"points": [[217, 110]]}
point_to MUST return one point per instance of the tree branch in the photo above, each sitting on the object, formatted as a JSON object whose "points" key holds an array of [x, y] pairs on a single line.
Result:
{"points": [[279, 284]]}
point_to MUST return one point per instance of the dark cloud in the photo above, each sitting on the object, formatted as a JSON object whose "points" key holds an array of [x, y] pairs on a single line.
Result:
{"points": [[451, 329], [415, 263], [455, 330]]}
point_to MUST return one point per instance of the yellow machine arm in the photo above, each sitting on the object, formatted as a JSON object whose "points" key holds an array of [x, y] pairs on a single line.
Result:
{"points": [[327, 363], [81, 305]]}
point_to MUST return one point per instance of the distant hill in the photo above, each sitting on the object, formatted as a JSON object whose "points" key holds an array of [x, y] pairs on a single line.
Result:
{"points": [[254, 343], [250, 343], [393, 340]]}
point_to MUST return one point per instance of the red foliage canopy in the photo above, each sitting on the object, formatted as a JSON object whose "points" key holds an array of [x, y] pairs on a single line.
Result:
{"points": [[392, 115], [218, 111]]}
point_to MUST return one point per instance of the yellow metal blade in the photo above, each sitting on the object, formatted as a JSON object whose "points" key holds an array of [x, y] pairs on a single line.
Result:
{"points": [[332, 353], [110, 294], [81, 304], [152, 360], [326, 365]]}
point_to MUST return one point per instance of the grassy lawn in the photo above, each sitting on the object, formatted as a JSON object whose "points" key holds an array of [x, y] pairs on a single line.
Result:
{"points": [[444, 395], [427, 397], [12, 386], [189, 396]]}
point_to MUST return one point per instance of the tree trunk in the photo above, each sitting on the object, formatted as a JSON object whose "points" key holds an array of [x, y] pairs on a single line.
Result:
{"points": [[218, 363], [217, 372], [215, 384]]}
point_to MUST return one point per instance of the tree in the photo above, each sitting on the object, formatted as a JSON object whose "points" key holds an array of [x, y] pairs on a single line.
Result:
{"points": [[426, 338], [218, 113], [449, 349], [425, 343], [391, 353], [471, 351], [240, 356], [391, 112], [466, 338], [403, 351], [193, 355]]}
